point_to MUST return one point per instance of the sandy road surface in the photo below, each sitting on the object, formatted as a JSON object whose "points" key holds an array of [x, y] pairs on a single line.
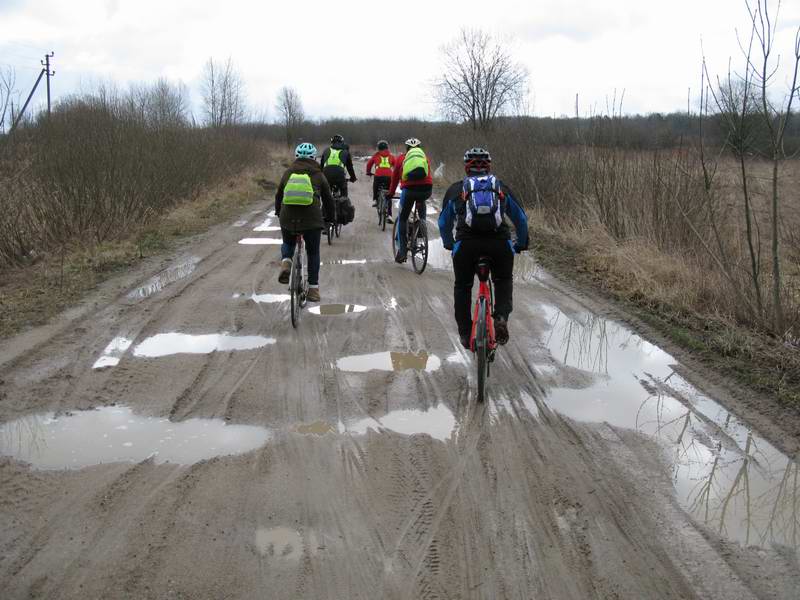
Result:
{"points": [[226, 455]]}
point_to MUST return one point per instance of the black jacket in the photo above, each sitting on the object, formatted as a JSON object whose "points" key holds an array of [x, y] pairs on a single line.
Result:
{"points": [[345, 156]]}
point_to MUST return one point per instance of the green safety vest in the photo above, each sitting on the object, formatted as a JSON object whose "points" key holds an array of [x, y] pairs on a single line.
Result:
{"points": [[385, 164], [298, 190], [415, 158], [334, 159]]}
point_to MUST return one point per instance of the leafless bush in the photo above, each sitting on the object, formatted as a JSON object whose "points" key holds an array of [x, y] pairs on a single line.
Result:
{"points": [[103, 165]]}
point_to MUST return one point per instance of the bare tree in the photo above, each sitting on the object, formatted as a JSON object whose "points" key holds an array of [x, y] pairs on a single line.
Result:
{"points": [[481, 80], [290, 112], [223, 94], [8, 80]]}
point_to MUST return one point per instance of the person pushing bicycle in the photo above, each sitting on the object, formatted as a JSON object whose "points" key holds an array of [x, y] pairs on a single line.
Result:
{"points": [[383, 162], [335, 159], [302, 198], [478, 206], [412, 171]]}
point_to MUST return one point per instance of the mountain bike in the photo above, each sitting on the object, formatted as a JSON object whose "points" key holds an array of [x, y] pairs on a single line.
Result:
{"points": [[482, 339], [298, 278], [383, 207], [416, 240]]}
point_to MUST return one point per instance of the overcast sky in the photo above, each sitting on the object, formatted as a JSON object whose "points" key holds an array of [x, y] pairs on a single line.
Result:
{"points": [[376, 58]]}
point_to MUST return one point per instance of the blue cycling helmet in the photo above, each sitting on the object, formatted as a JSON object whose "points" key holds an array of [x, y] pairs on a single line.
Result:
{"points": [[305, 150]]}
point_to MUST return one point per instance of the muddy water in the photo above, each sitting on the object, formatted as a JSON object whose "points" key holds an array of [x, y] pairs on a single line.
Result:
{"points": [[390, 361], [725, 475], [158, 282], [164, 344], [116, 434]]}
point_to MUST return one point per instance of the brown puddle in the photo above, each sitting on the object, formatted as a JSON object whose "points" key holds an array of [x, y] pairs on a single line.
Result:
{"points": [[315, 428], [390, 361], [725, 474], [329, 310]]}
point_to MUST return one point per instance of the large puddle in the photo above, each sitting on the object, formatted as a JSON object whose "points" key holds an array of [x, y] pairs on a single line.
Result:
{"points": [[329, 310], [437, 422], [725, 475], [267, 225], [264, 298], [390, 361], [116, 434], [165, 344], [158, 282]]}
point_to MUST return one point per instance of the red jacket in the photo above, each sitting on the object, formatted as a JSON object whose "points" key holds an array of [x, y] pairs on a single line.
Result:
{"points": [[397, 176], [375, 161]]}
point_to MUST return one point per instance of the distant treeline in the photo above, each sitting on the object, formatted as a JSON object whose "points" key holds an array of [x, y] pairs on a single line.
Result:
{"points": [[636, 132]]}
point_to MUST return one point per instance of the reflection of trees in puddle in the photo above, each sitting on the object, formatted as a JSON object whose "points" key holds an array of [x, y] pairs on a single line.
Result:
{"points": [[24, 436], [726, 476], [584, 341]]}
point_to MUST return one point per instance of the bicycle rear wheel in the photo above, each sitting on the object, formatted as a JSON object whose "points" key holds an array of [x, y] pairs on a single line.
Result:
{"points": [[338, 229], [482, 349], [294, 289], [382, 211], [419, 247], [394, 238]]}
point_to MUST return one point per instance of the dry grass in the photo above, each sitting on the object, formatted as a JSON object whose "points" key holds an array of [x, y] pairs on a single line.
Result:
{"points": [[33, 294]]}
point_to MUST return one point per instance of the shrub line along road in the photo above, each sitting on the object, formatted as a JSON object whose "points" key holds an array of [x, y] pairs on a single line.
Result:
{"points": [[234, 457]]}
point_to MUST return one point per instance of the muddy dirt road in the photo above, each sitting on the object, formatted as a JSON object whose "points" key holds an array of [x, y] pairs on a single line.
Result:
{"points": [[176, 438]]}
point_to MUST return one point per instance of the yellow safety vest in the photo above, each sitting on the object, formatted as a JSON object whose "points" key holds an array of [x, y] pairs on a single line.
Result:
{"points": [[334, 159], [298, 190], [385, 163], [415, 158]]}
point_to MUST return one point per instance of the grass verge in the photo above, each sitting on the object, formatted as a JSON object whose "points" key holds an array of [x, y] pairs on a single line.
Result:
{"points": [[33, 294], [658, 298]]}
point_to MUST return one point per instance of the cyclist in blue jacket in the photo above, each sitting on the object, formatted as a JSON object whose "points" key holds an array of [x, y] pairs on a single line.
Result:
{"points": [[477, 207]]}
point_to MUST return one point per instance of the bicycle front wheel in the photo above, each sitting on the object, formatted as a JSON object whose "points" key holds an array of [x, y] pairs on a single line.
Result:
{"points": [[482, 349], [419, 247]]}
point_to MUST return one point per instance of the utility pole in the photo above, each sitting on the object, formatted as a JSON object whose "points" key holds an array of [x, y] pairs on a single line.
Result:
{"points": [[46, 64], [45, 71]]}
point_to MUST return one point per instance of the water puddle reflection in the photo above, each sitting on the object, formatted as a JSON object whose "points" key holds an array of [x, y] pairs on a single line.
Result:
{"points": [[158, 282], [349, 261], [116, 434], [328, 310], [437, 422], [725, 475], [241, 223], [113, 353], [261, 241], [264, 298], [165, 344], [390, 361]]}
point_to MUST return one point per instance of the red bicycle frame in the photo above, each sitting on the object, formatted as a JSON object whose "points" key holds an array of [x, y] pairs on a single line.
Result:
{"points": [[482, 269]]}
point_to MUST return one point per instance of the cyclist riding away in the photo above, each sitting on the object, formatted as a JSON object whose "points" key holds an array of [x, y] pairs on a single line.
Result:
{"points": [[302, 197], [383, 162], [477, 206], [412, 171], [334, 161]]}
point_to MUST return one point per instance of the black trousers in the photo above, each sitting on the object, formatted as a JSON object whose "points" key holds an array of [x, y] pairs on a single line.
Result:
{"points": [[336, 179], [378, 182], [466, 256]]}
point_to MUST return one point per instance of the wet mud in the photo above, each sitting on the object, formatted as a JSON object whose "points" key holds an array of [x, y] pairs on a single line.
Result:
{"points": [[193, 444]]}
